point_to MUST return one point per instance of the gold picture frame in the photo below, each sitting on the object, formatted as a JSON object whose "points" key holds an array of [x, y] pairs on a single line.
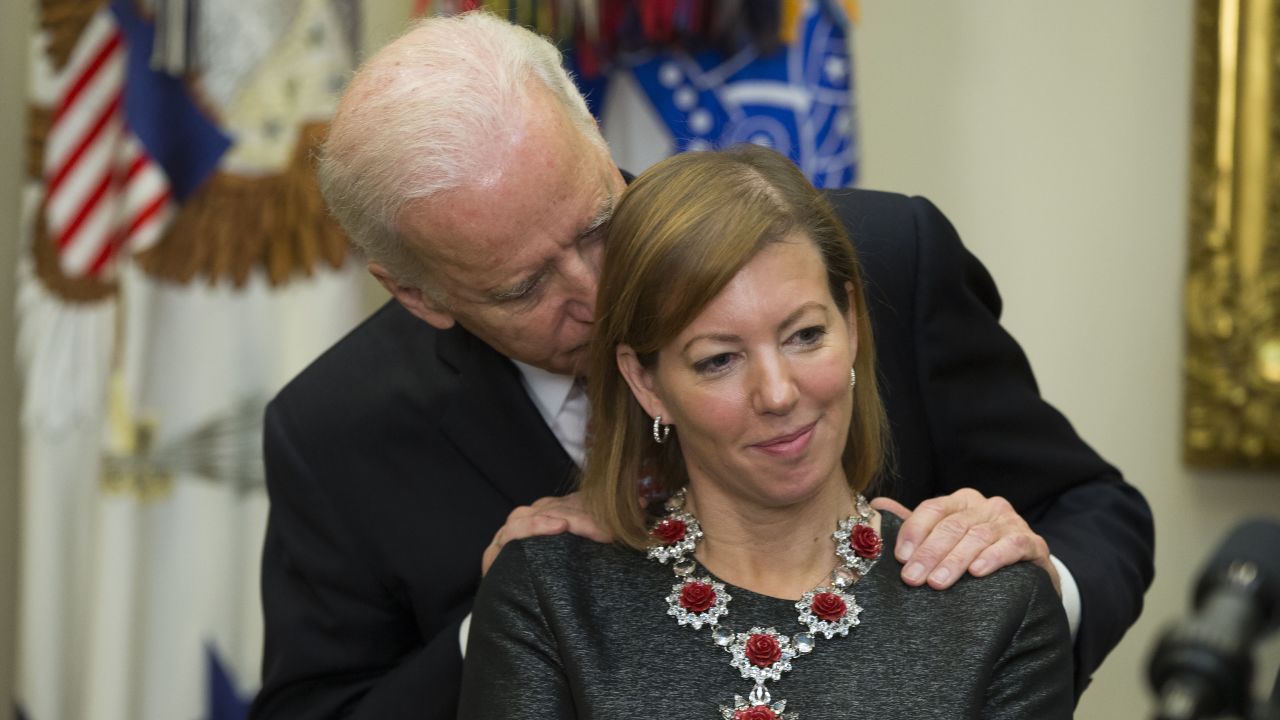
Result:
{"points": [[1232, 365]]}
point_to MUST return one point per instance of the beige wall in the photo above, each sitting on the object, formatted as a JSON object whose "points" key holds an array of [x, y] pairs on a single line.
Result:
{"points": [[13, 54], [1055, 136]]}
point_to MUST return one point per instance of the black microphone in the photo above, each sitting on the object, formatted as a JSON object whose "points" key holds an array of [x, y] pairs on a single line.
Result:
{"points": [[1203, 667]]}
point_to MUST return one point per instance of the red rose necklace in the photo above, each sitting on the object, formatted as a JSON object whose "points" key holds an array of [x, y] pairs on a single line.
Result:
{"points": [[763, 654]]}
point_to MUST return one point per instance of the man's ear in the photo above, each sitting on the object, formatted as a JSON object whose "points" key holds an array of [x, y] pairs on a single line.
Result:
{"points": [[641, 381], [413, 299]]}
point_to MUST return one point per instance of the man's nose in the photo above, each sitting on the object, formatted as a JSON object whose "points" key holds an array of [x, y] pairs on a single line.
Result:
{"points": [[582, 279]]}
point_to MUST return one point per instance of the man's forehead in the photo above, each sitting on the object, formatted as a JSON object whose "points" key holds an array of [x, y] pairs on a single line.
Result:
{"points": [[482, 240]]}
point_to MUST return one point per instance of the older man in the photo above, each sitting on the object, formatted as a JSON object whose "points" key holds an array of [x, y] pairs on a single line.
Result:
{"points": [[465, 165]]}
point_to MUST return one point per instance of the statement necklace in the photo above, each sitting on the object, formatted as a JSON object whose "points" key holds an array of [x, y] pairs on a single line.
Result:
{"points": [[763, 654]]}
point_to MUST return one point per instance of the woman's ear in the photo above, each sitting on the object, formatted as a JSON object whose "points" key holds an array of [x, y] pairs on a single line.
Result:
{"points": [[641, 380]]}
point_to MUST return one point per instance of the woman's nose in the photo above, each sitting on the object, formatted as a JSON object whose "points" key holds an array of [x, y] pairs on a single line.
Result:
{"points": [[775, 390]]}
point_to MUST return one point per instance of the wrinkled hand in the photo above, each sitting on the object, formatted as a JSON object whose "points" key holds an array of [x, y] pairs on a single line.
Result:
{"points": [[546, 516], [945, 536]]}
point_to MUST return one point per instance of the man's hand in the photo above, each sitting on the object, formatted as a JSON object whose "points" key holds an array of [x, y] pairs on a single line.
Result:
{"points": [[945, 536], [547, 516]]}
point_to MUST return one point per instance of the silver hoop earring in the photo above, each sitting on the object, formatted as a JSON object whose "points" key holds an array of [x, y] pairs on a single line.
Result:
{"points": [[660, 431], [853, 377]]}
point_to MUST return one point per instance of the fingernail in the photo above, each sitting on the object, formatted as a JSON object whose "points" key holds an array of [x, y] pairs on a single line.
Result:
{"points": [[904, 550], [979, 567], [940, 576], [914, 572]]}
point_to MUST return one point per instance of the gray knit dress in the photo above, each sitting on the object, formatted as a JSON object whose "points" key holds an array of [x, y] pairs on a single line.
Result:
{"points": [[567, 628]]}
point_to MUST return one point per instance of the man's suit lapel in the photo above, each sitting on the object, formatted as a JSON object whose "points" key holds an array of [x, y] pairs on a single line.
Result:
{"points": [[495, 425]]}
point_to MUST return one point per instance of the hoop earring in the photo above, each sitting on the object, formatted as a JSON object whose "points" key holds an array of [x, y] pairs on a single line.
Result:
{"points": [[853, 377], [660, 431]]}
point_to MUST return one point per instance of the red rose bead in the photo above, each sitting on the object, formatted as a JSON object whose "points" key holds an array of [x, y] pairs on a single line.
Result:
{"points": [[865, 542], [828, 606], [697, 597], [669, 531], [758, 712], [763, 650]]}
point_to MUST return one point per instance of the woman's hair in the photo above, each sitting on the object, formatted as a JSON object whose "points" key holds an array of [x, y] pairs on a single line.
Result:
{"points": [[681, 232]]}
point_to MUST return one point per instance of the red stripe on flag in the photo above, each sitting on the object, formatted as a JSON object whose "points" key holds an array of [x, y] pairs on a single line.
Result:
{"points": [[104, 255], [109, 250], [86, 207], [151, 210], [135, 167], [85, 77], [112, 108]]}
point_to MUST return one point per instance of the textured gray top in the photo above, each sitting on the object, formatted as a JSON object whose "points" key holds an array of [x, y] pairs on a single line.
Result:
{"points": [[567, 628]]}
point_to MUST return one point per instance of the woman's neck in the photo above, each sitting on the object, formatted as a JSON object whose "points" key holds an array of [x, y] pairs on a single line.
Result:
{"points": [[781, 552]]}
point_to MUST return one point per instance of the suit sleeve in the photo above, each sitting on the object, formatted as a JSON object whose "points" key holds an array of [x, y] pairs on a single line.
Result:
{"points": [[338, 642], [1032, 678], [993, 432], [513, 669]]}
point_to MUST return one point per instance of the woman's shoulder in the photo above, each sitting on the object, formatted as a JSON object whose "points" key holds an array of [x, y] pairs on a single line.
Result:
{"points": [[567, 560], [567, 548]]}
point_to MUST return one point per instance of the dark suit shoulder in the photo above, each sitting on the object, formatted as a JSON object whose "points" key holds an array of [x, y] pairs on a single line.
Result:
{"points": [[368, 365]]}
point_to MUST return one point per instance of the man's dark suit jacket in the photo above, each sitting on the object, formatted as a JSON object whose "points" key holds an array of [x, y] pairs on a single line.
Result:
{"points": [[393, 459]]}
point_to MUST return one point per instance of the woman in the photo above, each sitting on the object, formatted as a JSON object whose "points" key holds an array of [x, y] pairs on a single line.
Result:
{"points": [[732, 366]]}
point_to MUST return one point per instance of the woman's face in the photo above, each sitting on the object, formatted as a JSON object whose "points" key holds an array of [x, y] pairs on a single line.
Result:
{"points": [[757, 386]]}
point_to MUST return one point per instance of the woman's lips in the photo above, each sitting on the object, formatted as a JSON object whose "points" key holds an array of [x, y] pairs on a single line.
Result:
{"points": [[788, 445]]}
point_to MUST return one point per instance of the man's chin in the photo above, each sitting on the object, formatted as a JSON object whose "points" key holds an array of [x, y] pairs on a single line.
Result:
{"points": [[570, 363], [573, 362]]}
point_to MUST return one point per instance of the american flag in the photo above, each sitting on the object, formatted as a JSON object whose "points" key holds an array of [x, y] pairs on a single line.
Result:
{"points": [[107, 185]]}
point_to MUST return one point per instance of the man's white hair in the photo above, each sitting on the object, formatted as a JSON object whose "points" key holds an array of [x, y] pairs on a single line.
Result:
{"points": [[416, 117]]}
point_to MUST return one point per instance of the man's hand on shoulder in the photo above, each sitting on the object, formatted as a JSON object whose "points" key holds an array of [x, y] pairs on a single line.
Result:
{"points": [[965, 531], [547, 516]]}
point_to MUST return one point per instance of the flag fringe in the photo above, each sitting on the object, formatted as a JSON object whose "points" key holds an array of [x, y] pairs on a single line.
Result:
{"points": [[235, 223], [63, 21], [231, 225]]}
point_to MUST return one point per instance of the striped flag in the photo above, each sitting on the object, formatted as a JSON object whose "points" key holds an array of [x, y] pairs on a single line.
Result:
{"points": [[105, 188], [169, 281]]}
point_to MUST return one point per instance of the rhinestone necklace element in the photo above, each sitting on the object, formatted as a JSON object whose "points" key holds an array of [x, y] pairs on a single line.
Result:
{"points": [[763, 654]]}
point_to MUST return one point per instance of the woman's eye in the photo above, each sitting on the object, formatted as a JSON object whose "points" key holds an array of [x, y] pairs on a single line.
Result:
{"points": [[810, 335], [714, 363]]}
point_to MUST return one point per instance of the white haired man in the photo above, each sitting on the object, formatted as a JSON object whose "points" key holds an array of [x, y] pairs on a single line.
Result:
{"points": [[466, 167]]}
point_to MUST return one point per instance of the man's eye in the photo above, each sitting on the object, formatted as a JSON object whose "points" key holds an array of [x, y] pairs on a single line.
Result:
{"points": [[524, 294], [810, 335], [714, 364]]}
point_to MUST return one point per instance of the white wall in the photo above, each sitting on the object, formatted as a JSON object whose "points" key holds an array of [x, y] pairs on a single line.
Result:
{"points": [[1055, 137]]}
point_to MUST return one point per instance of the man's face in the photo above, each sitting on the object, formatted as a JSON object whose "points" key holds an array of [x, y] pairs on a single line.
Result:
{"points": [[517, 251]]}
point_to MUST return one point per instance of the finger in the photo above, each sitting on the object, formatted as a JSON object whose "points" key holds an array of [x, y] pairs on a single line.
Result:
{"points": [[889, 505], [486, 560], [1011, 549], [522, 511], [976, 540], [942, 538], [530, 526], [920, 526], [583, 525]]}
